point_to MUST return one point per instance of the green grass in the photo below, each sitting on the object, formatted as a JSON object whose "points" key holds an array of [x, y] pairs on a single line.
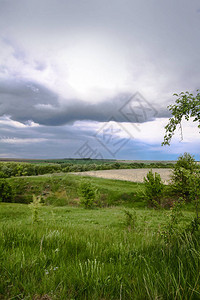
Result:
{"points": [[62, 189], [73, 253]]}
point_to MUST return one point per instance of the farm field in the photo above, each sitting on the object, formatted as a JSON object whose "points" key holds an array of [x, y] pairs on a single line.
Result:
{"points": [[74, 253], [134, 175]]}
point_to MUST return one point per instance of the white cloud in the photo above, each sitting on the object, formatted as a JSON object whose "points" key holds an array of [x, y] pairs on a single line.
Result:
{"points": [[22, 141], [148, 132]]}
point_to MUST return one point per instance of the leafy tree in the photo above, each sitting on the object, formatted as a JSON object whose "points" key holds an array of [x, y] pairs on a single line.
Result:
{"points": [[187, 105]]}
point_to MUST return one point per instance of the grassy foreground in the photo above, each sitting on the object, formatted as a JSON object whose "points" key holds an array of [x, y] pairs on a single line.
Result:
{"points": [[73, 253]]}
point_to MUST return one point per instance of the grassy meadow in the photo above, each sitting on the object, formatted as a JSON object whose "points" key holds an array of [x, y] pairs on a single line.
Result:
{"points": [[61, 190], [76, 253]]}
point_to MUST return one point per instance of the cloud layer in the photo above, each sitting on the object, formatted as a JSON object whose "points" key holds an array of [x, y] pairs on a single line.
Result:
{"points": [[63, 62]]}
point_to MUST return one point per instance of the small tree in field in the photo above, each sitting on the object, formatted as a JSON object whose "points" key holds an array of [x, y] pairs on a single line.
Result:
{"points": [[153, 188], [87, 193]]}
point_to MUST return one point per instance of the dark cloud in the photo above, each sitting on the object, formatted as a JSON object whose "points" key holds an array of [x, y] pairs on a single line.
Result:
{"points": [[19, 99], [157, 43], [29, 101]]}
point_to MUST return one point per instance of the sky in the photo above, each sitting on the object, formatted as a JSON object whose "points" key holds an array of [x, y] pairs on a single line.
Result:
{"points": [[91, 78]]}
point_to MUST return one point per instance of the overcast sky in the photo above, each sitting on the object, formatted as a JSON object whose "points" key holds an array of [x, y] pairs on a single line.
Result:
{"points": [[91, 78]]}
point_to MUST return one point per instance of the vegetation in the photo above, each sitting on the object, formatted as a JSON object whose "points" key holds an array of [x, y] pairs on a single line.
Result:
{"points": [[35, 205], [6, 192], [15, 169], [153, 188], [61, 190], [72, 253], [186, 178], [187, 105], [121, 249], [87, 193], [183, 172]]}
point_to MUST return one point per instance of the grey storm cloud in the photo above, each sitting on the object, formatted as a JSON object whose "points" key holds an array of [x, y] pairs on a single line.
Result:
{"points": [[138, 52], [28, 101]]}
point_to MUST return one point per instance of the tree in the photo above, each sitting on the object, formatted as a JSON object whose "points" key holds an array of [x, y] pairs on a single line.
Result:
{"points": [[187, 105]]}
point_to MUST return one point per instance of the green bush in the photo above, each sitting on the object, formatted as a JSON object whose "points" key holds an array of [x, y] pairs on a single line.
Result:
{"points": [[6, 193], [153, 188], [183, 172], [87, 193]]}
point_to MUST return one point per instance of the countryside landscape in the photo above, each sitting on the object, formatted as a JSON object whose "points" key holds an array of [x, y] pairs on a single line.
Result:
{"points": [[71, 236], [99, 150]]}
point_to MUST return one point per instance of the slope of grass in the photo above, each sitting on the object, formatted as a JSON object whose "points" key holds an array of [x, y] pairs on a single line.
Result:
{"points": [[62, 190], [72, 253]]}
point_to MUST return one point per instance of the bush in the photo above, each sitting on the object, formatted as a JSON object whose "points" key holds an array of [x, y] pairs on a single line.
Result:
{"points": [[6, 193], [183, 172], [87, 193], [153, 188]]}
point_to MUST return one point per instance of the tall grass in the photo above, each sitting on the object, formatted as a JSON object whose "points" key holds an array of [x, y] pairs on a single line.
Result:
{"points": [[76, 254]]}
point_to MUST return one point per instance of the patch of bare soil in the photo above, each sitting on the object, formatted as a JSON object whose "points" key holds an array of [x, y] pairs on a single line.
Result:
{"points": [[135, 175]]}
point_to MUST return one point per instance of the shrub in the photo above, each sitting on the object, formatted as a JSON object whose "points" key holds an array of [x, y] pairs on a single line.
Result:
{"points": [[183, 172], [6, 193], [153, 188], [87, 193]]}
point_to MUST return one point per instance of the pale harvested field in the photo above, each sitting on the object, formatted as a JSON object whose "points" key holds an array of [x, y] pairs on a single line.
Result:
{"points": [[135, 175]]}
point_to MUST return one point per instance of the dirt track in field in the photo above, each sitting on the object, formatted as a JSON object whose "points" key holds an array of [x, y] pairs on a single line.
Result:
{"points": [[135, 175]]}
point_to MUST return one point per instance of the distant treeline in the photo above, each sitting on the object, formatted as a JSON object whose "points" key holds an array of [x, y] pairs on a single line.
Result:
{"points": [[12, 169]]}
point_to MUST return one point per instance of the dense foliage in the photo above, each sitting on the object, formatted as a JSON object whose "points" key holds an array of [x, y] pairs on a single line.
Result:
{"points": [[10, 169]]}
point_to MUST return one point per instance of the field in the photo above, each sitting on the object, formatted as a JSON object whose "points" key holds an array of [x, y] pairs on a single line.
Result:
{"points": [[73, 253], [134, 175], [119, 249]]}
